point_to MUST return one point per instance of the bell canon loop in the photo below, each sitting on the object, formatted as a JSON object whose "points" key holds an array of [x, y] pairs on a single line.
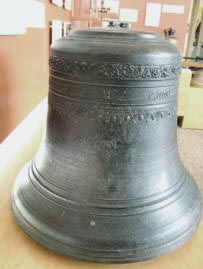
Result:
{"points": [[107, 183]]}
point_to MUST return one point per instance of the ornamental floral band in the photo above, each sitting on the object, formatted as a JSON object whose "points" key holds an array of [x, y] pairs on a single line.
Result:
{"points": [[120, 71]]}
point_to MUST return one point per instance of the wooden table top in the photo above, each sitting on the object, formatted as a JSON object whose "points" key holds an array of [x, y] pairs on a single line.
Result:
{"points": [[18, 251], [189, 63]]}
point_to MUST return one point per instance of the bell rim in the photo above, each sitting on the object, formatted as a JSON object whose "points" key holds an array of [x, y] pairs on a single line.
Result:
{"points": [[96, 255], [167, 248]]}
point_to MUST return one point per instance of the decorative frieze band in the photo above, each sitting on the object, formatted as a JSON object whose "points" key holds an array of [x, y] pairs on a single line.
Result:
{"points": [[120, 114], [119, 71]]}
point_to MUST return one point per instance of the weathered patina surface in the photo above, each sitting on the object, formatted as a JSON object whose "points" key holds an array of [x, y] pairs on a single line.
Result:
{"points": [[107, 184]]}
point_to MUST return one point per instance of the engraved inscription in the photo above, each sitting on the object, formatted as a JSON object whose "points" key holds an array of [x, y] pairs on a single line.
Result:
{"points": [[112, 94], [160, 95], [119, 71]]}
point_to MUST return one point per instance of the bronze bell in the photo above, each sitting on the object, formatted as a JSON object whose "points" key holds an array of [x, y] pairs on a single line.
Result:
{"points": [[107, 183]]}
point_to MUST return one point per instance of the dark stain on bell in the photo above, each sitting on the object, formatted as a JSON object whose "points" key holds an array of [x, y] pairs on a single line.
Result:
{"points": [[125, 130], [111, 184], [107, 184]]}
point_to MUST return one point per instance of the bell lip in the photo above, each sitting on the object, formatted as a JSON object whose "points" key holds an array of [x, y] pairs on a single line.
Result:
{"points": [[63, 250], [99, 256]]}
